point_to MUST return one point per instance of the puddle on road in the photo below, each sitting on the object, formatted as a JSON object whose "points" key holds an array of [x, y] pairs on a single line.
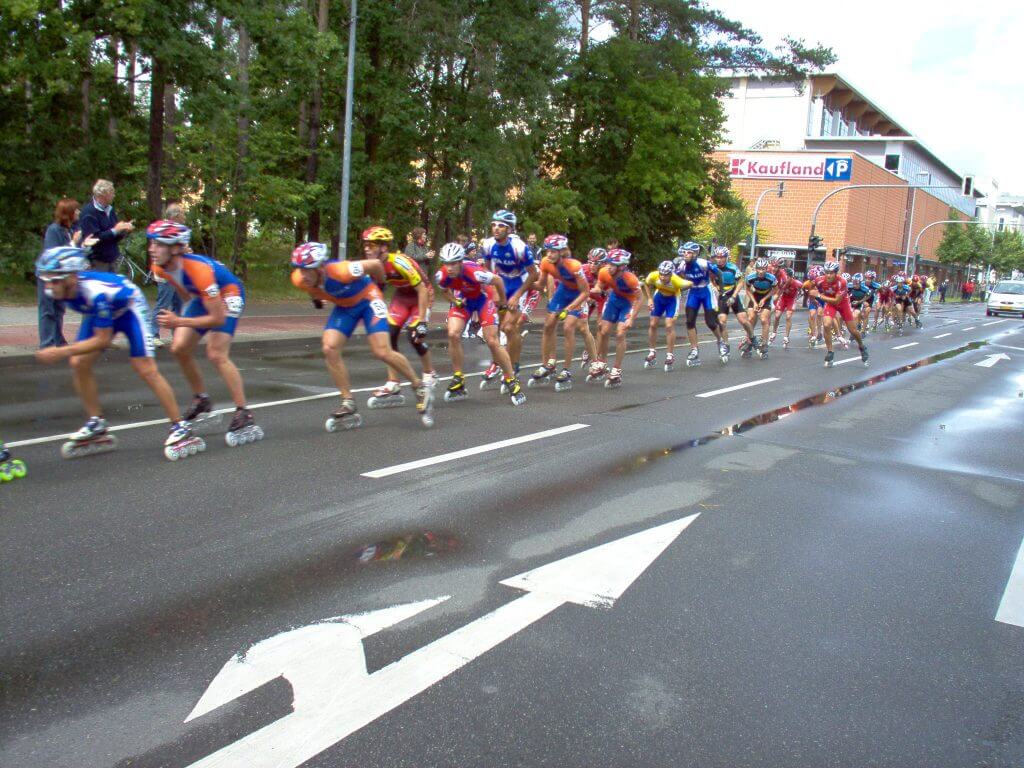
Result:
{"points": [[412, 545], [768, 417]]}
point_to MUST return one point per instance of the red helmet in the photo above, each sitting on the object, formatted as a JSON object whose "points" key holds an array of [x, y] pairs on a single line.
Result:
{"points": [[310, 256], [168, 232]]}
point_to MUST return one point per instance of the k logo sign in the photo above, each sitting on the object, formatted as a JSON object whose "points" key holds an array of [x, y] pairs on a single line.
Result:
{"points": [[838, 169]]}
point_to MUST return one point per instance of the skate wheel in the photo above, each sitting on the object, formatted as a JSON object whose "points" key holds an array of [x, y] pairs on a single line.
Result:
{"points": [[19, 469], [427, 420], [171, 453], [258, 432], [231, 439], [329, 425], [6, 475]]}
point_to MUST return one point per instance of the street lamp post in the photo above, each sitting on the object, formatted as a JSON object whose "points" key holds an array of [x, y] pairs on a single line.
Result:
{"points": [[910, 226], [778, 189], [346, 153]]}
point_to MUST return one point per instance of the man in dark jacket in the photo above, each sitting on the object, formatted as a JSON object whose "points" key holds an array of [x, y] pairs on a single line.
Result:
{"points": [[99, 220]]}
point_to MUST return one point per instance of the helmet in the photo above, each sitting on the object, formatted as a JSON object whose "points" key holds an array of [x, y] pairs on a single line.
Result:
{"points": [[900, 279], [504, 217], [310, 255], [845, 275], [452, 253], [377, 235], [556, 243], [832, 268], [773, 261], [62, 260], [761, 263], [815, 272], [618, 257], [168, 232], [721, 251], [688, 247], [858, 278], [666, 268], [597, 254], [470, 248], [870, 274]]}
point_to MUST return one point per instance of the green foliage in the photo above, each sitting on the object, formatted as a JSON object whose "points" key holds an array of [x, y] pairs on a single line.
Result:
{"points": [[461, 107], [728, 226], [964, 244], [1008, 251]]}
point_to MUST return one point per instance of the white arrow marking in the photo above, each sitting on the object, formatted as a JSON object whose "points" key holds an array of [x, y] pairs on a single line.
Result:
{"points": [[991, 360], [1011, 608], [334, 696]]}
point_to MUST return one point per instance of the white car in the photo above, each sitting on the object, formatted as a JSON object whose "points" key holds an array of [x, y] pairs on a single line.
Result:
{"points": [[1006, 297]]}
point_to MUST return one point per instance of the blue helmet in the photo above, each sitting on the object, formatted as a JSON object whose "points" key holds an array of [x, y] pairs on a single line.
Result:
{"points": [[504, 217], [666, 268], [832, 267], [62, 260], [688, 247], [858, 278]]}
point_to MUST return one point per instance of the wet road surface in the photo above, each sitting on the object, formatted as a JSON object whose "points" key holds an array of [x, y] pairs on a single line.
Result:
{"points": [[833, 602]]}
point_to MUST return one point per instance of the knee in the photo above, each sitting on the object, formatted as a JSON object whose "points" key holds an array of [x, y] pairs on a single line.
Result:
{"points": [[454, 337], [216, 356], [180, 350], [79, 364], [331, 351]]}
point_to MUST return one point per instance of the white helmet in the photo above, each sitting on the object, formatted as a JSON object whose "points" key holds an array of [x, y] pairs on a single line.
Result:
{"points": [[452, 253]]}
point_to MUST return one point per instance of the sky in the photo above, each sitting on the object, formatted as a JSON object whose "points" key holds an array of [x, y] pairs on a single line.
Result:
{"points": [[951, 73]]}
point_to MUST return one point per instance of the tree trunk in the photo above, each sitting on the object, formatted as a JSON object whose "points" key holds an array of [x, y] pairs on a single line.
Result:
{"points": [[154, 178], [584, 25], [115, 89], [242, 148], [634, 20], [133, 57], [170, 120], [313, 138], [86, 110]]}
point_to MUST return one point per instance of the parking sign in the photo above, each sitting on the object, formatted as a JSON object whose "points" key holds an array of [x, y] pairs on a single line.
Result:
{"points": [[838, 168]]}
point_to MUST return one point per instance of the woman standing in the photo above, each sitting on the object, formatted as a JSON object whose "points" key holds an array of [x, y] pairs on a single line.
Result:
{"points": [[63, 230]]}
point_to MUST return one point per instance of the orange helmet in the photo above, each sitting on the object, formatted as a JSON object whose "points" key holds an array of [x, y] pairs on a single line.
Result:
{"points": [[378, 235]]}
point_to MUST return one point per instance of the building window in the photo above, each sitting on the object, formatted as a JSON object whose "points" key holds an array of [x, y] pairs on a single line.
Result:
{"points": [[892, 163], [1002, 223]]}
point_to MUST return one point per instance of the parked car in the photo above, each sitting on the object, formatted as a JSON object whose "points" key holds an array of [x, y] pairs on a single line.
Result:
{"points": [[1006, 298]]}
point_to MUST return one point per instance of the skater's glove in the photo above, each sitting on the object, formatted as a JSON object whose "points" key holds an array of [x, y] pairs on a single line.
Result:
{"points": [[502, 309], [420, 331], [458, 303], [318, 303], [563, 314]]}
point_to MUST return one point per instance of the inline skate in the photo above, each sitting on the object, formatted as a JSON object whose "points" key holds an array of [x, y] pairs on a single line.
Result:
{"points": [[201, 416], [670, 361], [387, 396], [651, 360], [182, 442], [10, 468], [491, 376], [563, 381], [91, 438], [541, 376], [614, 379], [425, 405], [456, 390], [693, 359], [346, 417]]}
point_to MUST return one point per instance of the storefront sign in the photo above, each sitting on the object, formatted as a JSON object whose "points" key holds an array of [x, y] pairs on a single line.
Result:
{"points": [[802, 166]]}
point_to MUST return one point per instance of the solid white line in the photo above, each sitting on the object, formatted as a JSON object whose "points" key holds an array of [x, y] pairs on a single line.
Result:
{"points": [[738, 386], [1011, 608], [904, 346], [847, 360], [995, 322], [942, 335], [1007, 346], [410, 465], [969, 329]]}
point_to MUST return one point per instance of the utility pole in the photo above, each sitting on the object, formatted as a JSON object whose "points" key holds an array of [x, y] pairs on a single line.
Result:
{"points": [[346, 153]]}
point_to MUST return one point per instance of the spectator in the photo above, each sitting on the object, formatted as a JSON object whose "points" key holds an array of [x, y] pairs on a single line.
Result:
{"points": [[531, 240], [943, 287], [417, 248], [99, 220], [166, 296], [929, 289], [968, 290], [63, 230]]}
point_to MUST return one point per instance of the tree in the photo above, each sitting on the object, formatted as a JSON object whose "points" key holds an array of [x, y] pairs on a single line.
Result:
{"points": [[1008, 251], [961, 245], [729, 227]]}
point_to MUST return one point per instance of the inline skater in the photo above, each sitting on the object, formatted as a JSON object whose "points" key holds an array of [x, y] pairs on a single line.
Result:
{"points": [[902, 303], [597, 297], [832, 290], [871, 281], [916, 297], [662, 289], [109, 304], [511, 259], [814, 307], [409, 309], [728, 280], [467, 286], [10, 468], [761, 287], [620, 311], [568, 304], [698, 271], [789, 288], [860, 293], [885, 305], [351, 286], [217, 301]]}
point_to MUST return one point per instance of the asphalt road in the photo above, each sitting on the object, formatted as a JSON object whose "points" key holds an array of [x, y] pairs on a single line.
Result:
{"points": [[833, 602]]}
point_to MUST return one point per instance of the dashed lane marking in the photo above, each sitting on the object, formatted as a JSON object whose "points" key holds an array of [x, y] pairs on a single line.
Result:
{"points": [[904, 346], [715, 392]]}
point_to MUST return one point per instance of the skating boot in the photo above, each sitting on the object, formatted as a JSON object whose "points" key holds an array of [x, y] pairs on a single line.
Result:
{"points": [[899, 329], [563, 381], [242, 430], [201, 416], [746, 348], [693, 359], [515, 391], [182, 442], [91, 438], [918, 323], [812, 341], [670, 361], [491, 376], [430, 379], [842, 340], [614, 379], [829, 357], [651, 359], [346, 417], [785, 342], [456, 390], [387, 396], [864, 355], [771, 338], [762, 353], [723, 352], [597, 371], [425, 404], [515, 375], [585, 360], [541, 376], [10, 468]]}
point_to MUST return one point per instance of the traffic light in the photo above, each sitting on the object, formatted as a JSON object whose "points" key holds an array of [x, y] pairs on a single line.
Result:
{"points": [[814, 243], [967, 186]]}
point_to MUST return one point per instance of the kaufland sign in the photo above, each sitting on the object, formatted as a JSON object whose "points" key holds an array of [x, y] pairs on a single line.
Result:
{"points": [[808, 167]]}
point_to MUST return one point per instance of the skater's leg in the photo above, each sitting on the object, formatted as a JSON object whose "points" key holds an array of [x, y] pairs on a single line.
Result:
{"points": [[670, 335], [548, 339], [183, 347], [652, 333], [380, 347], [569, 332], [498, 352], [85, 382], [510, 326], [789, 322], [146, 368], [691, 325], [603, 337], [766, 317], [455, 353], [393, 332], [333, 344], [589, 343], [620, 344], [218, 352], [422, 349]]}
